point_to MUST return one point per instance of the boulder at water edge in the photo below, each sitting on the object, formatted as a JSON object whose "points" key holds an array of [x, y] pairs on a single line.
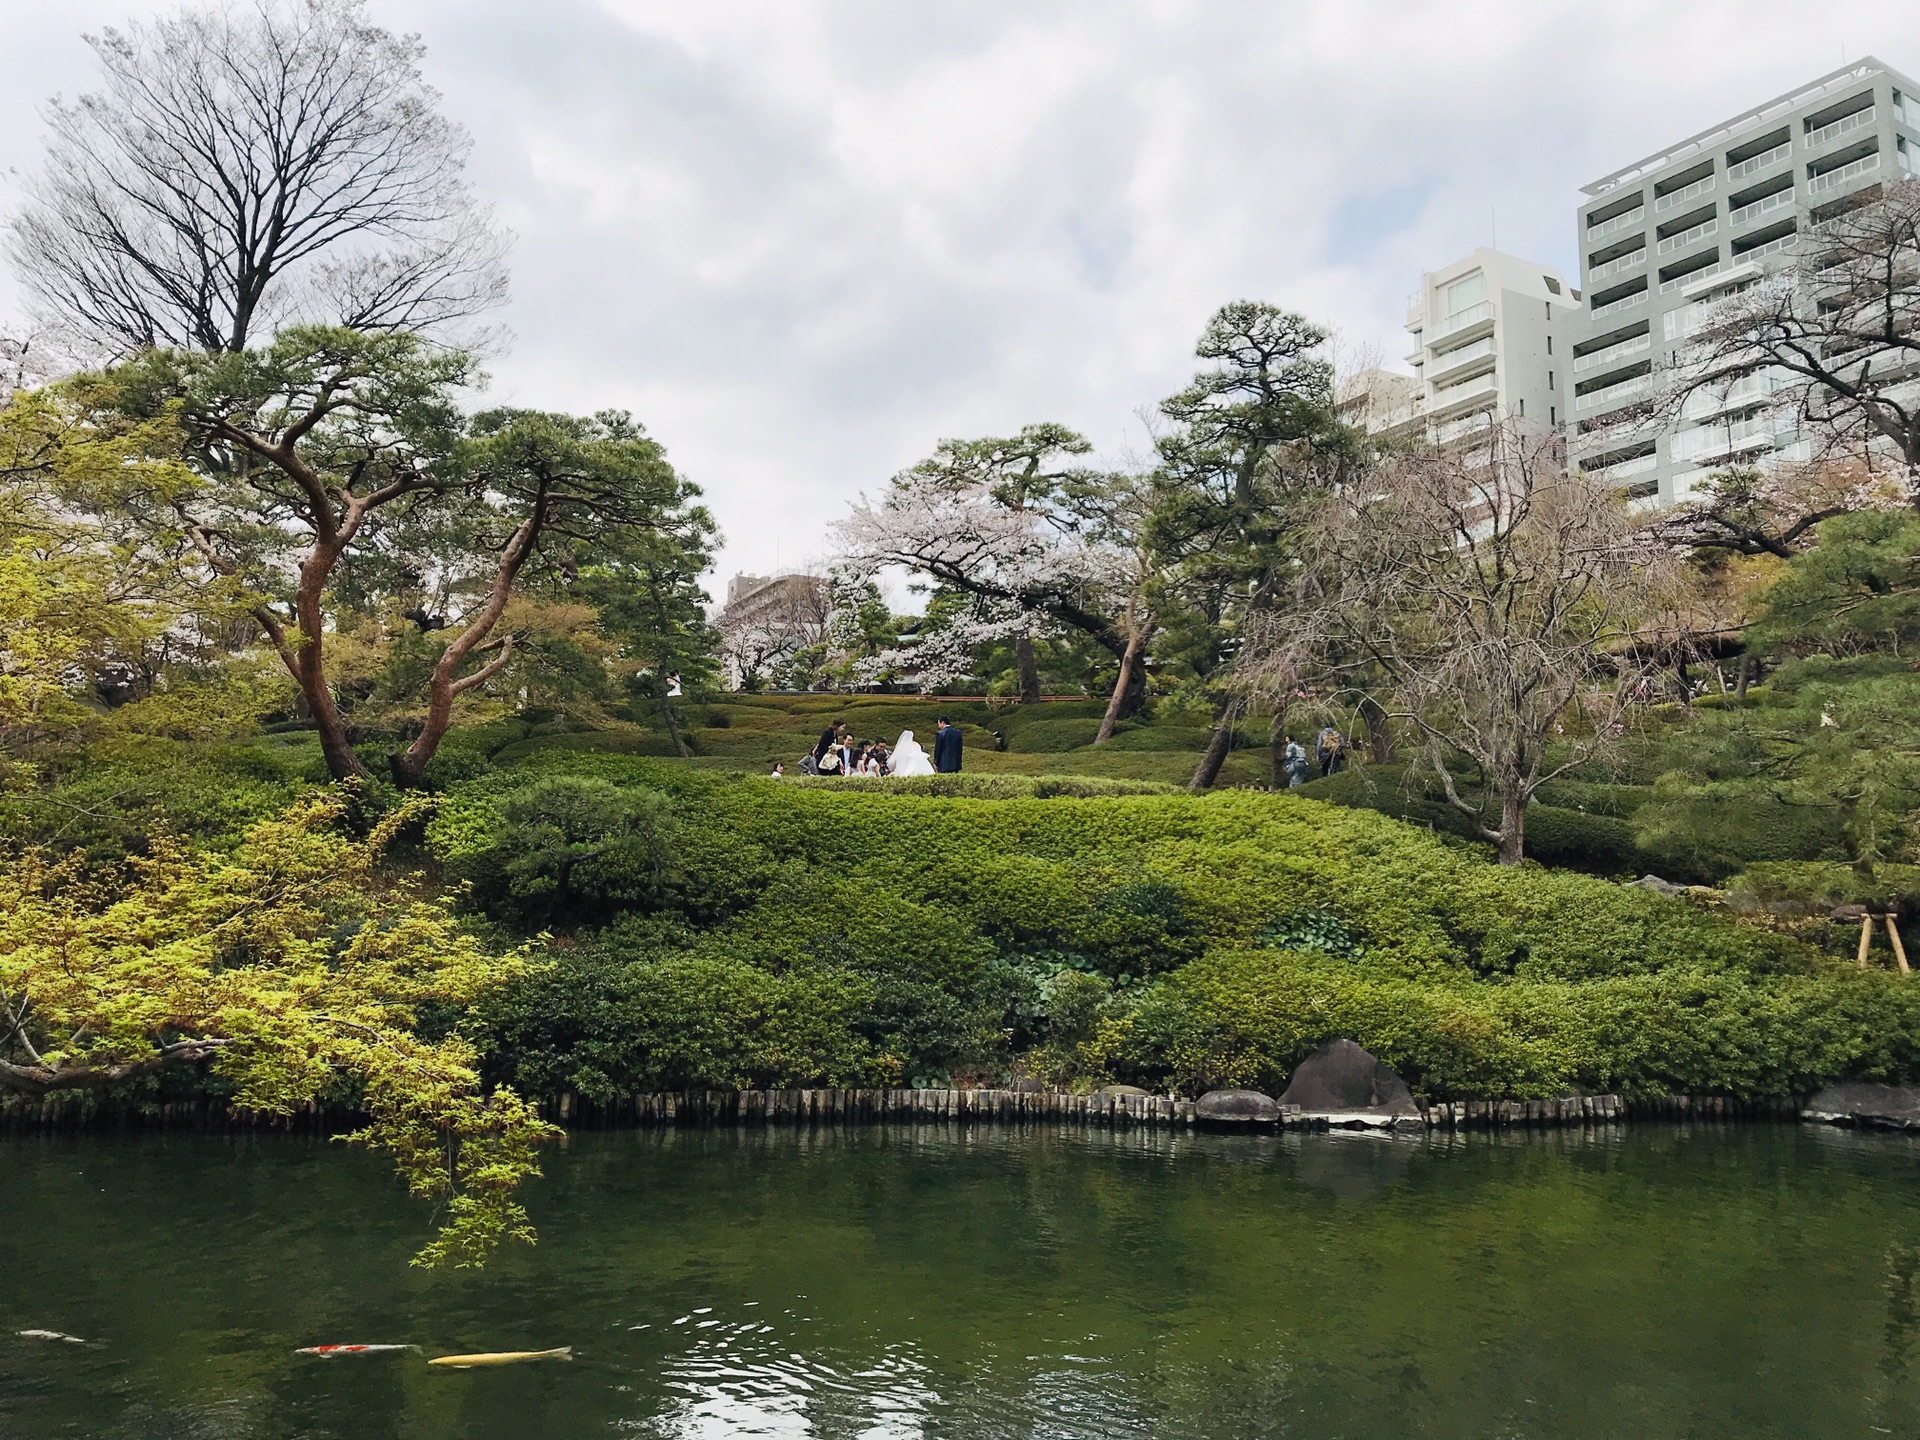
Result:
{"points": [[1340, 1080], [1236, 1107], [1879, 1107]]}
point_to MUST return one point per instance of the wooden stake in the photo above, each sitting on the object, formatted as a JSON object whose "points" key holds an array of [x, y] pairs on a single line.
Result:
{"points": [[1866, 939], [1899, 950]]}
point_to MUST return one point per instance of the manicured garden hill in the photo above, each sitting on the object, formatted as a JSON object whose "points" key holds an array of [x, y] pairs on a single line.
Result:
{"points": [[750, 732], [759, 933]]}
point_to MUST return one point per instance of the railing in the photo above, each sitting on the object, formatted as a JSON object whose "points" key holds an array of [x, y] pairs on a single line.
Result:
{"points": [[1772, 247], [1705, 272], [1617, 266], [1852, 170], [1722, 439], [1615, 394], [1845, 125], [1602, 359], [1685, 193], [1466, 425], [1748, 390], [1687, 318], [1754, 164], [1624, 303], [1687, 237], [1615, 224], [1445, 396], [1627, 469], [1765, 205], [1446, 359], [1460, 320]]}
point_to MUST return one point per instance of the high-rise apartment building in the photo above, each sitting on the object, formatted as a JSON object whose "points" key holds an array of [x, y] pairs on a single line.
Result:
{"points": [[1664, 238], [1487, 343]]}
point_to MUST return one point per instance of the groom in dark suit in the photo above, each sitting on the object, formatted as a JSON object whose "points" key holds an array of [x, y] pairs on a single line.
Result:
{"points": [[946, 748]]}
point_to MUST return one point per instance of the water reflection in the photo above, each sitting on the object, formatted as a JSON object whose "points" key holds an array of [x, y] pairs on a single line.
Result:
{"points": [[1728, 1280]]}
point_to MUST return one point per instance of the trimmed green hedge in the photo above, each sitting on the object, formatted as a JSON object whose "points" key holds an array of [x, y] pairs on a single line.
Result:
{"points": [[833, 932]]}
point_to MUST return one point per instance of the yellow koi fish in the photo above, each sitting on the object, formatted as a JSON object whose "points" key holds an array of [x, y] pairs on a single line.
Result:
{"points": [[501, 1357]]}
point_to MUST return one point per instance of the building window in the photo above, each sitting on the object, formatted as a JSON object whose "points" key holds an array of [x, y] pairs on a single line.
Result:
{"points": [[1465, 293], [1553, 288], [1523, 407], [1549, 344], [1549, 379], [1553, 414]]}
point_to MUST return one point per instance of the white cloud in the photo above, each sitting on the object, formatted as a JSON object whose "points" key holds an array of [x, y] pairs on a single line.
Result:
{"points": [[804, 241]]}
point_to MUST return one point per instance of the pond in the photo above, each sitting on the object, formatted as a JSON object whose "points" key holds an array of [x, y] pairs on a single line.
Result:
{"points": [[1727, 1282]]}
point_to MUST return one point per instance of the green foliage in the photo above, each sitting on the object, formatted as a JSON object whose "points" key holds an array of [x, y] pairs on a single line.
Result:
{"points": [[887, 936], [572, 849], [289, 968], [1317, 930], [1249, 1018]]}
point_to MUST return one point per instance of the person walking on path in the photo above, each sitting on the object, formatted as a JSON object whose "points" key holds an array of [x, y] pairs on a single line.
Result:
{"points": [[1295, 762], [1331, 750], [946, 748]]}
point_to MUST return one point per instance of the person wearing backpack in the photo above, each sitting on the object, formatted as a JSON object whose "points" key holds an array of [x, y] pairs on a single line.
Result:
{"points": [[1330, 749]]}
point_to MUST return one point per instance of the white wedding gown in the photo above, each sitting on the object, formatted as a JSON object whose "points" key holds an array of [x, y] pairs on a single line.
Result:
{"points": [[909, 758]]}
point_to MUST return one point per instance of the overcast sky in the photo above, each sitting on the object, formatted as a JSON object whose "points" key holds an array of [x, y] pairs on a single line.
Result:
{"points": [[805, 241]]}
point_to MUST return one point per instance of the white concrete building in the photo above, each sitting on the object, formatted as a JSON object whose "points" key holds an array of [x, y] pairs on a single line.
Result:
{"points": [[1487, 344]]}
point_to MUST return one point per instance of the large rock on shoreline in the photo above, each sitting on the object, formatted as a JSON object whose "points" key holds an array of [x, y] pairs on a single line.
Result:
{"points": [[1236, 1107], [1343, 1084], [1877, 1107]]}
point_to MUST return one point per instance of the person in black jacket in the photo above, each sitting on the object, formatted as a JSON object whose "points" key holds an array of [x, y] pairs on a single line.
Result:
{"points": [[946, 748]]}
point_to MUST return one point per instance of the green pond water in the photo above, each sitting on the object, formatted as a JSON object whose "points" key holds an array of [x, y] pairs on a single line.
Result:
{"points": [[1716, 1282]]}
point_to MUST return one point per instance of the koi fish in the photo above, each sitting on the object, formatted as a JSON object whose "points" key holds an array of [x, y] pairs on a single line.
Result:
{"points": [[50, 1335], [324, 1351], [501, 1357]]}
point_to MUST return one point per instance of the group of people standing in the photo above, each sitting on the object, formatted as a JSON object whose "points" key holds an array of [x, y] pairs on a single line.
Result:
{"points": [[839, 753], [1329, 752]]}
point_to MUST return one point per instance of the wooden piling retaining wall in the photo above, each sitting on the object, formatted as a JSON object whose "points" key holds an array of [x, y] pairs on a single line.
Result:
{"points": [[879, 1107]]}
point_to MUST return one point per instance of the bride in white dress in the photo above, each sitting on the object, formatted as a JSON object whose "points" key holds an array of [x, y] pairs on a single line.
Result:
{"points": [[908, 758]]}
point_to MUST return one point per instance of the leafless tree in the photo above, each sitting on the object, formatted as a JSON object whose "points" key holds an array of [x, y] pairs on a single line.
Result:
{"points": [[1830, 347], [1502, 599], [248, 166]]}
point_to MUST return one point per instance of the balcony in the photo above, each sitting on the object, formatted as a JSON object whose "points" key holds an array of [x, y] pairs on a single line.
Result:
{"points": [[1623, 221], [1765, 205], [1845, 125], [1613, 396], [1772, 247], [1620, 306], [1702, 186], [1758, 432], [1688, 237], [1626, 469], [1469, 394], [1613, 355], [1454, 429], [1455, 362], [1619, 265], [1852, 170], [1692, 277], [1747, 391], [1463, 320], [1754, 164], [1716, 277]]}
